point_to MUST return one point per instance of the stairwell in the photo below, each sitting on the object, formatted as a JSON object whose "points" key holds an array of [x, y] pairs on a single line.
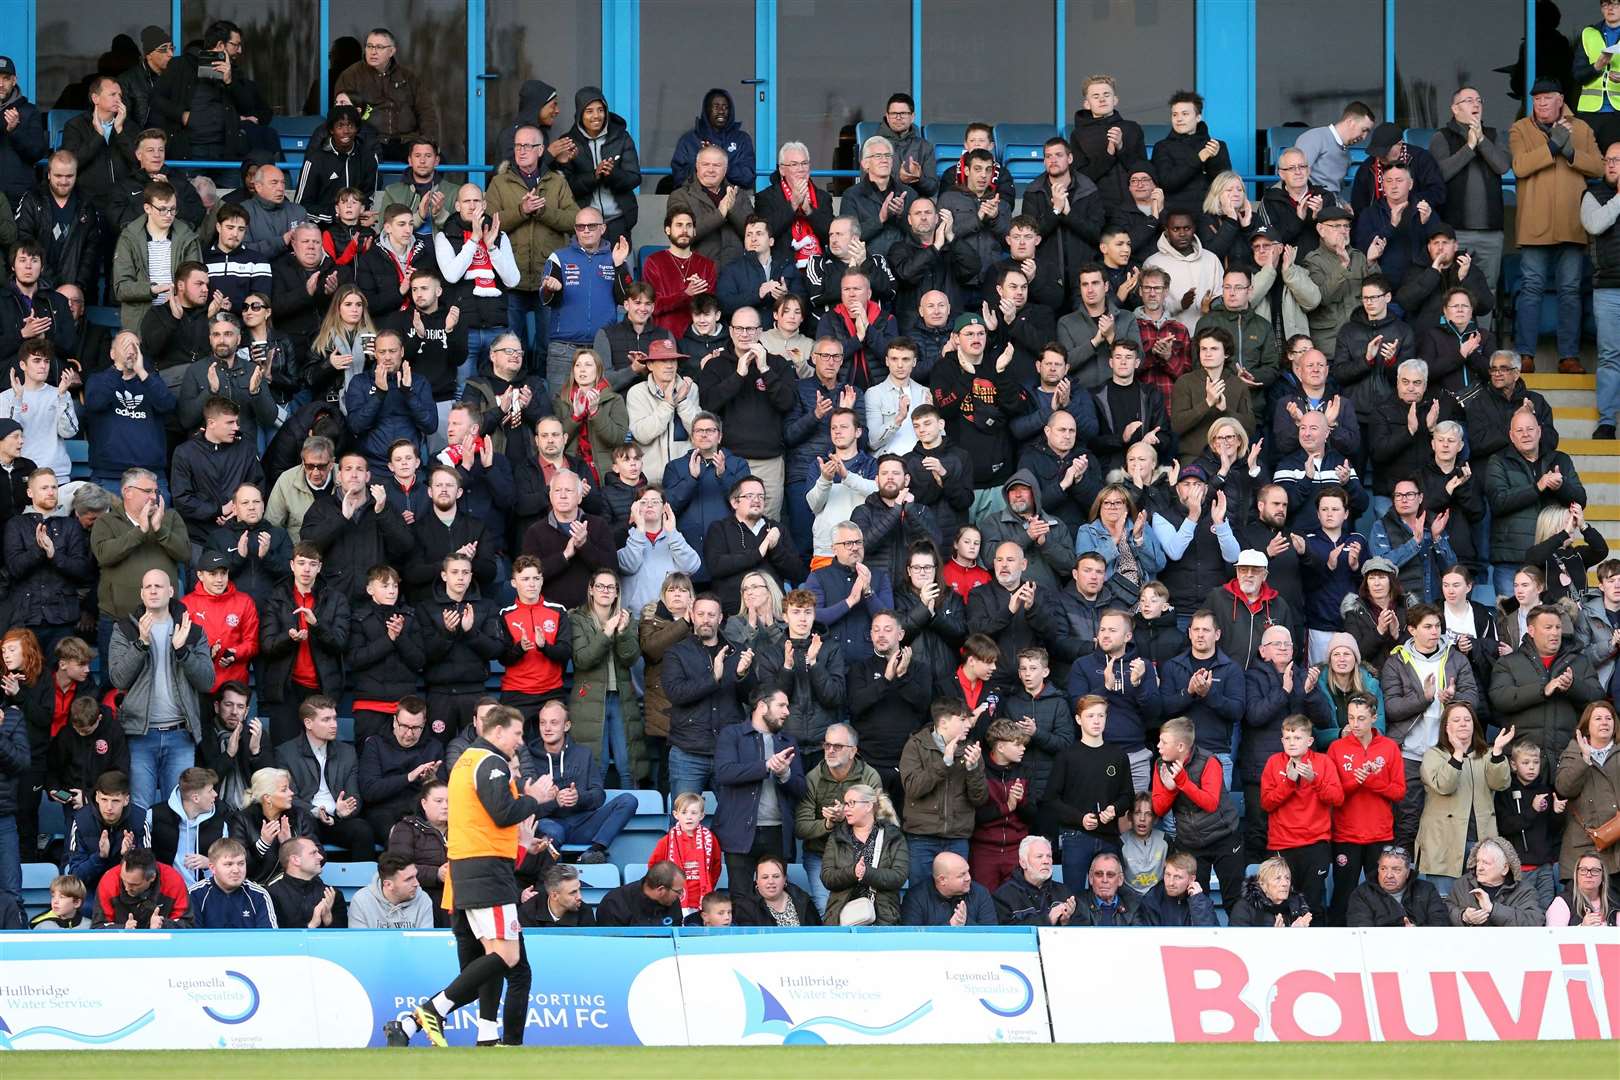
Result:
{"points": [[1573, 402]]}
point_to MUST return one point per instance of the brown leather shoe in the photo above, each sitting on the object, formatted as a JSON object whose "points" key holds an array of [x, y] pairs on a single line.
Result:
{"points": [[1571, 365], [1527, 364]]}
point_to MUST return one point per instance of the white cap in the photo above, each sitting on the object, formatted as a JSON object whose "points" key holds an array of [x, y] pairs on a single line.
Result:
{"points": [[1251, 557]]}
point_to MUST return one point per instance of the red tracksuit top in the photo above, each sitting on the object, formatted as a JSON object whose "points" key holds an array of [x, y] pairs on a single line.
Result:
{"points": [[1368, 813], [1300, 810]]}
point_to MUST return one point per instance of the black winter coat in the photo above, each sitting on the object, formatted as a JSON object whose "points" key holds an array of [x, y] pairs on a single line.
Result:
{"points": [[350, 547], [1111, 172], [457, 660], [328, 641], [1182, 177], [380, 667], [44, 590], [74, 258]]}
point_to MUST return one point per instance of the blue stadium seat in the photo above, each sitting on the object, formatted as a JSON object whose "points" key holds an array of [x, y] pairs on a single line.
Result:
{"points": [[349, 878], [1152, 133], [947, 140], [634, 872], [644, 251], [595, 881], [650, 812], [1021, 150], [797, 875], [346, 729], [863, 131], [1279, 139], [634, 846], [79, 454], [103, 316], [55, 121], [1418, 136], [36, 885]]}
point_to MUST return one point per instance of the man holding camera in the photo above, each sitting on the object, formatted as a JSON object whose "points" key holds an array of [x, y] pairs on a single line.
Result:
{"points": [[200, 100]]}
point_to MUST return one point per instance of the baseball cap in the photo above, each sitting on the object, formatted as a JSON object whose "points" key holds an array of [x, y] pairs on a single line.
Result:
{"points": [[1194, 471], [7, 67], [966, 319], [1333, 213], [213, 560]]}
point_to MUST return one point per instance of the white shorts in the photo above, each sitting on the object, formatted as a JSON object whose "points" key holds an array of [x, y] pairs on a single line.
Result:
{"points": [[498, 923]]}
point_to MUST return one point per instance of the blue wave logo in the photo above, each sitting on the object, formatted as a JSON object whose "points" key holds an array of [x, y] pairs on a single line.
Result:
{"points": [[10, 1039], [246, 1014], [1023, 1006], [767, 1016]]}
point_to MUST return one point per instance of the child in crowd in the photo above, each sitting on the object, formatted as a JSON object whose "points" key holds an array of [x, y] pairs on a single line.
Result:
{"points": [[715, 910], [1145, 847], [691, 846], [1088, 792], [1157, 637], [621, 487], [1009, 813], [1530, 816], [706, 335], [67, 906], [1298, 791], [345, 238], [1041, 712], [962, 571], [973, 675]]}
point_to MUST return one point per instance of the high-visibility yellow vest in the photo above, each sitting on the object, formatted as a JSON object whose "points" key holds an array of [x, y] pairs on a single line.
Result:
{"points": [[1600, 90]]}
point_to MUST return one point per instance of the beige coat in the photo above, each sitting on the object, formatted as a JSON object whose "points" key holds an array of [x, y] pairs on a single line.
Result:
{"points": [[1550, 186], [1594, 795], [1442, 837]]}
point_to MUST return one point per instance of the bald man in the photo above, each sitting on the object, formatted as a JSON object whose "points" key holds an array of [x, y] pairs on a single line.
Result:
{"points": [[951, 898]]}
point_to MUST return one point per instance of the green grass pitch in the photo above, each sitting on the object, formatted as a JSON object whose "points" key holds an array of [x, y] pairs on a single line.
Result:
{"points": [[1563, 1060]]}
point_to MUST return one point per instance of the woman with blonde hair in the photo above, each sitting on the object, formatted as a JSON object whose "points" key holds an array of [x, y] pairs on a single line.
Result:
{"points": [[1588, 901], [866, 862], [1233, 466], [1269, 899], [1563, 563], [338, 352], [1227, 217], [271, 819], [758, 620], [1119, 532], [594, 417]]}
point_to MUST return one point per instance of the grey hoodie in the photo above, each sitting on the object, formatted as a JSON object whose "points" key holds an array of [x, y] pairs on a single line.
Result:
{"points": [[371, 910], [1050, 561]]}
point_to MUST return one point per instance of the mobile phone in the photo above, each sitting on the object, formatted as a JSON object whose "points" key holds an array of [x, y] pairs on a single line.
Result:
{"points": [[62, 795]]}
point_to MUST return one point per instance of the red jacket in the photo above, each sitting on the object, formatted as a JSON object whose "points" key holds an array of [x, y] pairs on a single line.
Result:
{"points": [[231, 621], [1368, 813], [672, 307], [169, 883], [1205, 792], [540, 670], [1300, 810]]}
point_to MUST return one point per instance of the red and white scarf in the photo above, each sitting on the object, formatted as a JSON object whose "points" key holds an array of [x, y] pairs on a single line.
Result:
{"points": [[805, 241], [481, 272]]}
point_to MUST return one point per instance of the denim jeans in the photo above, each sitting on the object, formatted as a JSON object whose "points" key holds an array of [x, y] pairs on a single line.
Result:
{"points": [[689, 772], [560, 363], [156, 761], [597, 827], [1078, 849], [1606, 309], [1502, 575], [922, 850], [818, 891], [10, 864], [1486, 247], [1542, 266], [615, 745]]}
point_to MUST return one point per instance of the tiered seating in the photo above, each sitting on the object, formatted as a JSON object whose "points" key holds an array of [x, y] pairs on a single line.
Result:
{"points": [[1021, 149]]}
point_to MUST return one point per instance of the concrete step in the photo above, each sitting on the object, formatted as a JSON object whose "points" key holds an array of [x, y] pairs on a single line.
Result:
{"points": [[1554, 381], [1575, 422]]}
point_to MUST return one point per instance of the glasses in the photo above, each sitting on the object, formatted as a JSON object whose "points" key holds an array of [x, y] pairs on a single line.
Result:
{"points": [[1115, 502], [1503, 369], [921, 568], [317, 466], [828, 355], [1226, 438], [379, 47], [1406, 494], [880, 156], [163, 209], [836, 746], [526, 146], [142, 490], [1579, 869], [857, 802], [1292, 168], [1376, 296], [589, 226], [744, 329], [794, 165], [751, 586], [605, 586], [255, 306], [751, 495], [409, 727], [508, 350], [1396, 849], [848, 543]]}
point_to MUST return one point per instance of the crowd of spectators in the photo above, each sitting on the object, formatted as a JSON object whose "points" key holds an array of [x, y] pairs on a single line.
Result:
{"points": [[950, 534]]}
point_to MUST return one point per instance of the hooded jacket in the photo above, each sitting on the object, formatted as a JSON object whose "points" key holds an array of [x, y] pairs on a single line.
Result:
{"points": [[44, 589], [328, 170], [168, 826], [532, 97], [613, 195], [1049, 562], [84, 859], [1243, 622], [1182, 176], [371, 910], [732, 138], [1197, 269], [231, 621], [129, 668], [1111, 172], [1132, 709]]}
